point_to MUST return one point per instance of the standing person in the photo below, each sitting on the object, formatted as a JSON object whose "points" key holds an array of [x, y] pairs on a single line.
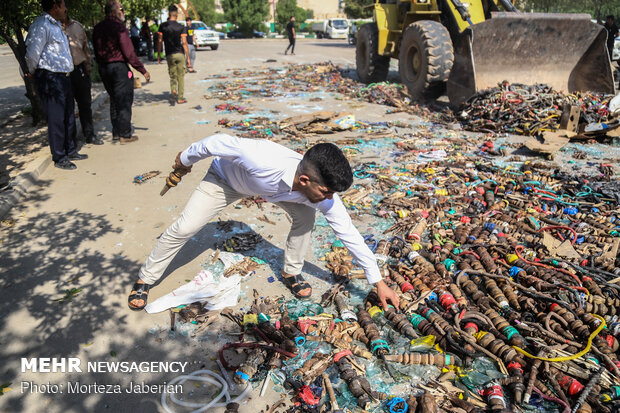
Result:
{"points": [[80, 79], [174, 36], [290, 29], [192, 43], [134, 35], [49, 60], [612, 33], [145, 33], [299, 184], [154, 28], [113, 50]]}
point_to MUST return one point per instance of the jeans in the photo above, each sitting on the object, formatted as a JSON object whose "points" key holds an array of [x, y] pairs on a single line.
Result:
{"points": [[176, 70], [211, 196], [291, 43], [118, 82], [192, 54], [54, 90], [80, 84]]}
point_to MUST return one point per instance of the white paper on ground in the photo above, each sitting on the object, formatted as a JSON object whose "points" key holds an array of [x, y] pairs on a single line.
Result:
{"points": [[230, 258], [216, 294]]}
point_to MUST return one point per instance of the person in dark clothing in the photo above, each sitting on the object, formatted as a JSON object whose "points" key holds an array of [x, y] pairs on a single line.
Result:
{"points": [[174, 36], [612, 33], [192, 43], [80, 80], [145, 33], [134, 35], [113, 50], [49, 61], [290, 29]]}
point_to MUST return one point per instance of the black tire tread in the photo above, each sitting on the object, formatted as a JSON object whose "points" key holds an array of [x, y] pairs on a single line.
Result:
{"points": [[439, 52], [378, 66]]}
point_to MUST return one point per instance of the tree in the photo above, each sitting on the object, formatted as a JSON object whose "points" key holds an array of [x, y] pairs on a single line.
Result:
{"points": [[248, 15], [206, 11], [598, 9], [15, 18], [144, 9], [357, 9], [287, 8]]}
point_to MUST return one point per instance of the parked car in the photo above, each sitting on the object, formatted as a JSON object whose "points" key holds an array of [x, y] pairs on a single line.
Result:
{"points": [[616, 52], [204, 35], [239, 35]]}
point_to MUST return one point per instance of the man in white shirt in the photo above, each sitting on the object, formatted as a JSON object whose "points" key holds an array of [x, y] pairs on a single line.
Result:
{"points": [[50, 63], [300, 185]]}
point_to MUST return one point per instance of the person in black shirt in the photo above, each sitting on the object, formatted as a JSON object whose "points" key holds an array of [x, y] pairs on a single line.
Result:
{"points": [[192, 43], [612, 33], [290, 29], [174, 36]]}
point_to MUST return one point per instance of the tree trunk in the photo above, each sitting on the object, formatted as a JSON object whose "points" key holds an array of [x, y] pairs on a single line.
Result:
{"points": [[19, 50]]}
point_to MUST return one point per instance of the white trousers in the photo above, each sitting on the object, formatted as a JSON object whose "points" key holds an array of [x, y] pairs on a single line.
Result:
{"points": [[211, 196]]}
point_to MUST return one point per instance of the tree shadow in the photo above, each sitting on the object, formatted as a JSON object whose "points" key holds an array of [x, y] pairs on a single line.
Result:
{"points": [[20, 143], [12, 100], [213, 235], [146, 97], [47, 254]]}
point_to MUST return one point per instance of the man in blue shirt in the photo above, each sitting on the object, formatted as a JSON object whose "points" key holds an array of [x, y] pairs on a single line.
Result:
{"points": [[49, 60]]}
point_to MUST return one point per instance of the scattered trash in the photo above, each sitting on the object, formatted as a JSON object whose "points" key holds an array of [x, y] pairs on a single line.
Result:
{"points": [[215, 293], [506, 268], [529, 110], [4, 388], [69, 294], [138, 179]]}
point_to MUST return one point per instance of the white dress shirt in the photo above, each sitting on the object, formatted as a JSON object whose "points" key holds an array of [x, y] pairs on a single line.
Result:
{"points": [[47, 46], [263, 168]]}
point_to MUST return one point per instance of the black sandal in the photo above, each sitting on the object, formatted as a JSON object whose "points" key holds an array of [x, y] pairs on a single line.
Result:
{"points": [[296, 283], [138, 292]]}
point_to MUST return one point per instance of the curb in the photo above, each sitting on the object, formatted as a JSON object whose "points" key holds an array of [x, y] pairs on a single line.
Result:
{"points": [[24, 182], [20, 186]]}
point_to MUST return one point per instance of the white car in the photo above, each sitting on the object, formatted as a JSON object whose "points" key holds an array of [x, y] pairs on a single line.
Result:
{"points": [[615, 54], [204, 35]]}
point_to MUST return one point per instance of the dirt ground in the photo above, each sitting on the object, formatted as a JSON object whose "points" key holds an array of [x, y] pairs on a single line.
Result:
{"points": [[92, 228]]}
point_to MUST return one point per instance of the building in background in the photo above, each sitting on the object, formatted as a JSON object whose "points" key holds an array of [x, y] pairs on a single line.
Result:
{"points": [[323, 9]]}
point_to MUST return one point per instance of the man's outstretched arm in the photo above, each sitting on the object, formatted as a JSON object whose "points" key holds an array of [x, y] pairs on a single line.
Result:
{"points": [[340, 221]]}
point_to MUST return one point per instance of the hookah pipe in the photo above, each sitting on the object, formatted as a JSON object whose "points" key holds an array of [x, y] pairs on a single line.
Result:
{"points": [[178, 172]]}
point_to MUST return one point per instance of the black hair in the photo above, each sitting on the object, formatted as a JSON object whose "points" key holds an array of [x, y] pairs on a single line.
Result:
{"points": [[610, 17], [325, 161], [48, 5], [188, 18], [172, 8], [110, 7]]}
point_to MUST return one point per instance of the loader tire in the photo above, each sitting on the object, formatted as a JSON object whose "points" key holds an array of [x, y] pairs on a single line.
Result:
{"points": [[425, 59], [371, 66]]}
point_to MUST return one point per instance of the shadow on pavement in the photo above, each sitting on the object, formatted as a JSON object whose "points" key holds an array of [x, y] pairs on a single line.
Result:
{"points": [[47, 254], [12, 100]]}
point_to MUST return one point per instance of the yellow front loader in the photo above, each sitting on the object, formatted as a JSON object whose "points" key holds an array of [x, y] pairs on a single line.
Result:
{"points": [[470, 45]]}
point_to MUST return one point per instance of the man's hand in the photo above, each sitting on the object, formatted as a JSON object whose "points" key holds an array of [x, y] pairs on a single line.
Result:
{"points": [[386, 294], [147, 76], [178, 166]]}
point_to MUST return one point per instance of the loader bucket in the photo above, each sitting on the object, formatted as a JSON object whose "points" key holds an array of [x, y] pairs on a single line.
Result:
{"points": [[565, 51]]}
